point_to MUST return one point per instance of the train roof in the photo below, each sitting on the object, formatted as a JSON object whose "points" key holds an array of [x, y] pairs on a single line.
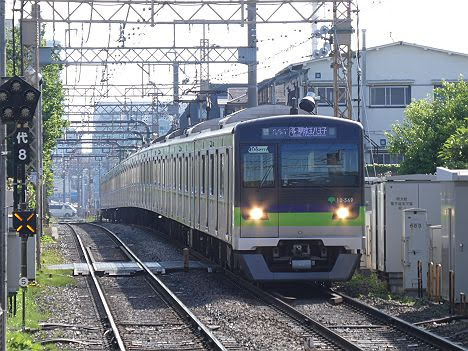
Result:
{"points": [[227, 125], [258, 112]]}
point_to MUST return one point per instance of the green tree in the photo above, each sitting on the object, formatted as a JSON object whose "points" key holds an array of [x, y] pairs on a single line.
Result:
{"points": [[52, 104], [454, 153], [432, 132]]}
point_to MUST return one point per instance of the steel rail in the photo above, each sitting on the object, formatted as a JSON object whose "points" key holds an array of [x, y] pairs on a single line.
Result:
{"points": [[102, 297], [400, 324], [168, 294], [289, 310]]}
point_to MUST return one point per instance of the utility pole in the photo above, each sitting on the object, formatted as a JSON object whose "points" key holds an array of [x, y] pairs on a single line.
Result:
{"points": [[3, 190], [36, 13], [252, 92]]}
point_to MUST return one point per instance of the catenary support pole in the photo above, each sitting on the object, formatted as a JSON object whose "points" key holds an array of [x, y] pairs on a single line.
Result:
{"points": [[3, 208], [252, 96]]}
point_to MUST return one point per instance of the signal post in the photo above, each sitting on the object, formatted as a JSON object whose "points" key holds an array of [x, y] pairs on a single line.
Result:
{"points": [[18, 103]]}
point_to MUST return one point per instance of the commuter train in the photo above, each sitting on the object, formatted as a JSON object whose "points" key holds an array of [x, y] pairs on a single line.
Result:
{"points": [[279, 197]]}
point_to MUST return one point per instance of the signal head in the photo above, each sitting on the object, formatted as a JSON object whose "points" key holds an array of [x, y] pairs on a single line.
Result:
{"points": [[25, 113], [3, 96], [7, 113], [15, 86]]}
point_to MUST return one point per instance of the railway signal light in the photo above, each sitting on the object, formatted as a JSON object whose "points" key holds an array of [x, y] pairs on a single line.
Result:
{"points": [[24, 223], [18, 100]]}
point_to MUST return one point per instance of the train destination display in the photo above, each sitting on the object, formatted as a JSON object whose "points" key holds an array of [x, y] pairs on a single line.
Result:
{"points": [[304, 132]]}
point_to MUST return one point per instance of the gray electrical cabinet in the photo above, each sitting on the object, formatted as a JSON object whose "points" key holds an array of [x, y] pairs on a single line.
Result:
{"points": [[371, 222], [395, 194], [31, 258], [415, 247], [13, 262], [454, 213]]}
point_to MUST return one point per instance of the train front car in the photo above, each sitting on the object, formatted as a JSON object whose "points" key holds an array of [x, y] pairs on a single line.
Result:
{"points": [[299, 206]]}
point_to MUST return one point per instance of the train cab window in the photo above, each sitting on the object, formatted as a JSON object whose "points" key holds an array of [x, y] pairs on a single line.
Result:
{"points": [[221, 175], [304, 165], [203, 174], [212, 172], [258, 164]]}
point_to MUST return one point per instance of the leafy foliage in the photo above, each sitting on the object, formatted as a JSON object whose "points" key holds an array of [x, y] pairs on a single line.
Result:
{"points": [[454, 153], [362, 285], [54, 123], [425, 136], [20, 341], [378, 170]]}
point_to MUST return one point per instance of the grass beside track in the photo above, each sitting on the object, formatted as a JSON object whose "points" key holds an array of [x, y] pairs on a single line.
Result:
{"points": [[45, 280], [370, 285]]}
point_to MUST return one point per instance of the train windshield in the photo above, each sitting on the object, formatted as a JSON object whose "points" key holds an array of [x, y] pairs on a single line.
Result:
{"points": [[258, 166], [308, 165]]}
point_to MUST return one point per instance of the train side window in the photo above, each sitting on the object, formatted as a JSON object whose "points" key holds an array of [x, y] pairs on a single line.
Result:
{"points": [[145, 172], [203, 175], [174, 171], [212, 179], [186, 174], [221, 175], [180, 174], [156, 170], [163, 173], [196, 173]]}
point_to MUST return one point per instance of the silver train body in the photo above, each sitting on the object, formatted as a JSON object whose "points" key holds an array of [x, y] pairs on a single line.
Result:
{"points": [[277, 196]]}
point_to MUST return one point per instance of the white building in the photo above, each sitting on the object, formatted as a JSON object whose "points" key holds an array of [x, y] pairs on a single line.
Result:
{"points": [[392, 76]]}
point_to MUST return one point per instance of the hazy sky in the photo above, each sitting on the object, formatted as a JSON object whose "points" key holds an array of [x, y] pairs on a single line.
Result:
{"points": [[442, 24]]}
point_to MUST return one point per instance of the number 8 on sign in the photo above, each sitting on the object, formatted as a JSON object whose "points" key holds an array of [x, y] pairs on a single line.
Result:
{"points": [[21, 145], [22, 155]]}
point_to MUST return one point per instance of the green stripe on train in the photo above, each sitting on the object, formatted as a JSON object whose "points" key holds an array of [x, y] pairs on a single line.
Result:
{"points": [[303, 219]]}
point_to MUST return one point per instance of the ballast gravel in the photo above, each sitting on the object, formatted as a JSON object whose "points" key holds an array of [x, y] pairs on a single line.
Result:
{"points": [[73, 316]]}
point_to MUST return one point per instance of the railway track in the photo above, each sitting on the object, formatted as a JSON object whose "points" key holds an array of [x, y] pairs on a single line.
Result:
{"points": [[319, 337], [316, 336], [142, 313], [395, 324], [350, 325], [364, 325]]}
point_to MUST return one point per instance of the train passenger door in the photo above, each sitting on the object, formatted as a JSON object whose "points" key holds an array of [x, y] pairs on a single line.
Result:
{"points": [[187, 185], [222, 192], [258, 191], [203, 192], [212, 193], [196, 191]]}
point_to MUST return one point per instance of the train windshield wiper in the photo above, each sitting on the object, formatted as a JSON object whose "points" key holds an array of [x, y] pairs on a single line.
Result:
{"points": [[267, 173]]}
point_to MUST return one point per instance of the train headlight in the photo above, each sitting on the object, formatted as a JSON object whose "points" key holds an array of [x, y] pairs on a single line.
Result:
{"points": [[256, 213], [342, 213]]}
